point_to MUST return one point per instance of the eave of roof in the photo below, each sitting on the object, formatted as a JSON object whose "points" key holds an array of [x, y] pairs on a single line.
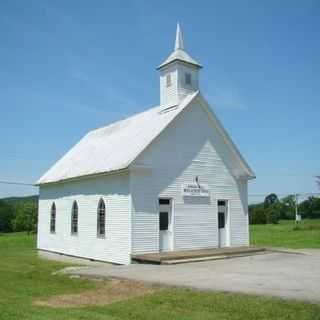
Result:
{"points": [[182, 56]]}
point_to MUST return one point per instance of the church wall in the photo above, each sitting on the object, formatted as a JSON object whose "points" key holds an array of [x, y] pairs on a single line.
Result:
{"points": [[183, 88], [168, 94], [189, 147], [173, 94], [114, 190]]}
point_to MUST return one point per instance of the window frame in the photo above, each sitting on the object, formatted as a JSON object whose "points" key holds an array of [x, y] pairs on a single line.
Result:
{"points": [[53, 218], [168, 80], [188, 79], [101, 212], [74, 218]]}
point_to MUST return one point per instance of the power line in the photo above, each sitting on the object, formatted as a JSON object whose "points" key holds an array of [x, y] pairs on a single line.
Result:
{"points": [[17, 183], [284, 194]]}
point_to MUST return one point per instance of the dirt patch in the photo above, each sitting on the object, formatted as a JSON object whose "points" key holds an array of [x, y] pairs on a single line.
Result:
{"points": [[111, 291]]}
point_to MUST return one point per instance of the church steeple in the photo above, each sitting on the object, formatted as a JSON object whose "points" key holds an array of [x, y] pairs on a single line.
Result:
{"points": [[179, 52], [178, 74], [179, 41]]}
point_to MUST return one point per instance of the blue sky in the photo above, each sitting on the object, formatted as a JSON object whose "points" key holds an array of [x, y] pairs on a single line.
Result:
{"points": [[70, 66]]}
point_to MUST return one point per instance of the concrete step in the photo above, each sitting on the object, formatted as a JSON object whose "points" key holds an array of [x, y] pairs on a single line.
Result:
{"points": [[210, 258], [174, 257]]}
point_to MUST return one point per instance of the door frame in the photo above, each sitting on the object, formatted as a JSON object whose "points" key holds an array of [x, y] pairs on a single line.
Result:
{"points": [[171, 225], [227, 223]]}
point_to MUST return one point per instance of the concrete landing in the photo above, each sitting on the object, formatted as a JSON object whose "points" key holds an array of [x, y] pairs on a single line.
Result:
{"points": [[175, 257], [279, 274]]}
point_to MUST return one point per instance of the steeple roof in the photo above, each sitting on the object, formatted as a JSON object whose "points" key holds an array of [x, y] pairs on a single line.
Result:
{"points": [[179, 53]]}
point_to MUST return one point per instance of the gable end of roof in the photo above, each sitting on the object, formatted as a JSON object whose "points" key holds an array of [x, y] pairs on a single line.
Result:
{"points": [[226, 137]]}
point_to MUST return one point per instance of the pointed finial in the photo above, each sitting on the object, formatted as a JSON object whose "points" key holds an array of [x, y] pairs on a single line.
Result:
{"points": [[179, 41]]}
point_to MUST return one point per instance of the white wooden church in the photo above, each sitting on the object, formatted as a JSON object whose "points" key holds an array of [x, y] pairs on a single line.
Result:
{"points": [[166, 179]]}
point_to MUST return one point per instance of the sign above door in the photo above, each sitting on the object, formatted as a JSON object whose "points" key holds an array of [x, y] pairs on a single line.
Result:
{"points": [[195, 190]]}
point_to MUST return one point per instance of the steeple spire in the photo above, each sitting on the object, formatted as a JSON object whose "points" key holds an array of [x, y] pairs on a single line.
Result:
{"points": [[179, 54], [179, 41]]}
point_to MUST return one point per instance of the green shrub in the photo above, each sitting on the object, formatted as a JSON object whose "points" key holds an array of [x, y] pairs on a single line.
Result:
{"points": [[310, 208], [6, 216], [273, 214], [25, 218], [257, 215]]}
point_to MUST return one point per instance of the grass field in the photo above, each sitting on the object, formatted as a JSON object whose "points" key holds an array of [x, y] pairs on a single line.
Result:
{"points": [[285, 234], [25, 278]]}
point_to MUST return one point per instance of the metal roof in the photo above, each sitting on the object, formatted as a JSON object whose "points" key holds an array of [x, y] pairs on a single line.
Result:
{"points": [[113, 147]]}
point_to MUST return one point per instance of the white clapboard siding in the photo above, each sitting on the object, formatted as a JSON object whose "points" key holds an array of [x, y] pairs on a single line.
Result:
{"points": [[178, 90], [114, 190], [168, 94], [189, 147], [145, 220], [183, 88]]}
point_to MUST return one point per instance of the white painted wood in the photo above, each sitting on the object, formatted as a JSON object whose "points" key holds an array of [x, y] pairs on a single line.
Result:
{"points": [[166, 236], [168, 94], [177, 157], [114, 190], [178, 90]]}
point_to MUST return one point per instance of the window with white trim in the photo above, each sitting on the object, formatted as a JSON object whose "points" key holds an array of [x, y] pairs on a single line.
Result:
{"points": [[74, 218], [187, 78], [168, 80], [53, 218], [101, 219]]}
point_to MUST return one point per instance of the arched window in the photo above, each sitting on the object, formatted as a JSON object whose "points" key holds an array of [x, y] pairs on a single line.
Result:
{"points": [[74, 218], [53, 218], [101, 219]]}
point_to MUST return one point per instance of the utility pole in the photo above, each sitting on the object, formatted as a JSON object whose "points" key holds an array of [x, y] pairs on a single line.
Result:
{"points": [[298, 217], [318, 181]]}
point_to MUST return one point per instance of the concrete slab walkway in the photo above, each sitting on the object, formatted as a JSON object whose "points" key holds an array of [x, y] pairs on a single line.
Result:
{"points": [[285, 275]]}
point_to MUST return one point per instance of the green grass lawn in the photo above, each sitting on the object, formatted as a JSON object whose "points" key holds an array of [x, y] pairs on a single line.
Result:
{"points": [[24, 277], [284, 234]]}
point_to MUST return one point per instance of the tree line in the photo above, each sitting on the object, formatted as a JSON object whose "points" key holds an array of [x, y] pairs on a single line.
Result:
{"points": [[19, 214], [272, 209]]}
